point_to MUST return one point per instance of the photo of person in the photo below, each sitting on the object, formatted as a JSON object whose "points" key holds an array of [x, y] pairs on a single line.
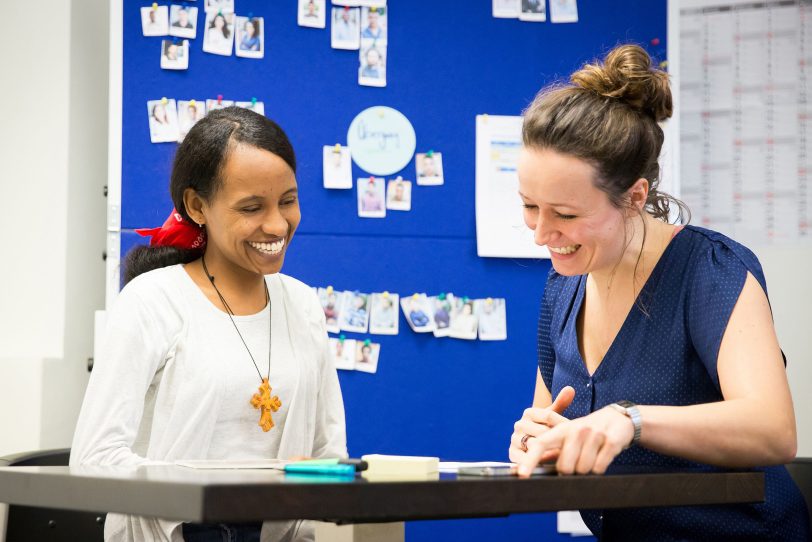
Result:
{"points": [[182, 21], [373, 24], [417, 310], [174, 55], [343, 351], [312, 13], [383, 319], [331, 304], [163, 121], [354, 312], [371, 198], [399, 195], [508, 9], [189, 112], [492, 319], [225, 6], [218, 38], [564, 11], [345, 30], [463, 323], [155, 21], [337, 166], [250, 37], [372, 72], [533, 10], [253, 105], [366, 356], [429, 168], [219, 103], [441, 313]]}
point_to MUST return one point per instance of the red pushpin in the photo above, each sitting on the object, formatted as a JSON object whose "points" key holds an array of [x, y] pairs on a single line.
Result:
{"points": [[655, 41], [346, 8], [219, 99], [372, 181]]}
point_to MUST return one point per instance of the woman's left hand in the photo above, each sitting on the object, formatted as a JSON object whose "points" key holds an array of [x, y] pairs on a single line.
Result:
{"points": [[587, 445]]}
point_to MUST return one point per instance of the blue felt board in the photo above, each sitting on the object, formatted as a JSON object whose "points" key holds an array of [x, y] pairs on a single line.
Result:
{"points": [[447, 62]]}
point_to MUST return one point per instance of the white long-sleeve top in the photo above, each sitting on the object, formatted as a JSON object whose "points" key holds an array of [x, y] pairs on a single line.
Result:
{"points": [[173, 381]]}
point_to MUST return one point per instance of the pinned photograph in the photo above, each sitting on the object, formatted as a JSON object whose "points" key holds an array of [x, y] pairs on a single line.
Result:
{"points": [[442, 305], [174, 55], [312, 13], [369, 3], [343, 351], [506, 9], [373, 24], [253, 105], [189, 112], [226, 6], [219, 103], [371, 201], [155, 21], [337, 166], [429, 168], [163, 120], [366, 356], [492, 319], [218, 38], [372, 72], [383, 319], [354, 312], [182, 21], [345, 29], [564, 11], [250, 37], [399, 195], [418, 310], [463, 320], [533, 10], [331, 304]]}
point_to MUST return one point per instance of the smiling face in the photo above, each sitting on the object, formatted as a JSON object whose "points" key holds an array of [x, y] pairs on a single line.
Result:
{"points": [[253, 215], [568, 213]]}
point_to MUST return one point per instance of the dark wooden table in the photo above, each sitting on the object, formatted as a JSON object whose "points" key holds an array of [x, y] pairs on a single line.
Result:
{"points": [[234, 496]]}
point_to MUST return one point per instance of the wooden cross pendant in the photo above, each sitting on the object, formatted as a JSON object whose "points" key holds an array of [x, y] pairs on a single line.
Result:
{"points": [[266, 404]]}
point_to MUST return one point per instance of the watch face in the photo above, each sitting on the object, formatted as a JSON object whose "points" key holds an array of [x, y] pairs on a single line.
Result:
{"points": [[625, 404]]}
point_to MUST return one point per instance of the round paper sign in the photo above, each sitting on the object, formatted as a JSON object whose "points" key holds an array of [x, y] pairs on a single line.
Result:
{"points": [[381, 140]]}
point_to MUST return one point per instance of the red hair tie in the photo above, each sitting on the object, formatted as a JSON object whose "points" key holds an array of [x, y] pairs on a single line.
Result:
{"points": [[176, 232]]}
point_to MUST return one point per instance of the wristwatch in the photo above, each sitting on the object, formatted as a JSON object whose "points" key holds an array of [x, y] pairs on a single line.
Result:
{"points": [[630, 410]]}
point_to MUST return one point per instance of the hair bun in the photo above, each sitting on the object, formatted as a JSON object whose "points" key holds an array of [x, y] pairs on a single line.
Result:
{"points": [[626, 74]]}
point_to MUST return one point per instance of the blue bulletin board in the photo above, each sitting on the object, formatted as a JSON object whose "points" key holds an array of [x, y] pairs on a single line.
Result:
{"points": [[447, 62]]}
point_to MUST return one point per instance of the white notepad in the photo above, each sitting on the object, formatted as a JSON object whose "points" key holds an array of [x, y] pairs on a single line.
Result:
{"points": [[273, 464]]}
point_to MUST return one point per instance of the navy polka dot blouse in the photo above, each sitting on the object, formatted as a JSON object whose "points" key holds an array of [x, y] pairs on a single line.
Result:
{"points": [[665, 354]]}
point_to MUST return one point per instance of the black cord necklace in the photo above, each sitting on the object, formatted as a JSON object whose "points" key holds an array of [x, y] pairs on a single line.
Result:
{"points": [[262, 400]]}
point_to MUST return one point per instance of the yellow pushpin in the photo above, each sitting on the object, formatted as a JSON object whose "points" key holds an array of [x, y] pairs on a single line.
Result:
{"points": [[489, 301], [381, 113], [416, 296], [385, 295], [663, 64], [192, 103], [329, 290], [337, 148], [164, 101], [155, 6]]}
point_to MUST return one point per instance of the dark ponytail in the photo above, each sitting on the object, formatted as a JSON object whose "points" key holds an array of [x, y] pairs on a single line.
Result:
{"points": [[198, 165]]}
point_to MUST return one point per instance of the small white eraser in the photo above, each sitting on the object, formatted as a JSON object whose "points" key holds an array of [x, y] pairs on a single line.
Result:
{"points": [[401, 464]]}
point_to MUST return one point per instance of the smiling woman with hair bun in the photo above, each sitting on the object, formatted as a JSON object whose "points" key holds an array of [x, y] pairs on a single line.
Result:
{"points": [[655, 339]]}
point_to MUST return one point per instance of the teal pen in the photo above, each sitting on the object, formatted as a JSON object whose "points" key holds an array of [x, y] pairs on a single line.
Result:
{"points": [[305, 468]]}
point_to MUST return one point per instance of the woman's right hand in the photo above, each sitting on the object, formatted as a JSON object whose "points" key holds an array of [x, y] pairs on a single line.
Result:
{"points": [[536, 421]]}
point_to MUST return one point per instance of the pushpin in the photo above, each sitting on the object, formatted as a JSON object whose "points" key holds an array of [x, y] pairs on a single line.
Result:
{"points": [[219, 99], [430, 153], [164, 101], [465, 299], [655, 41], [253, 100], [415, 296], [489, 301], [342, 337], [220, 12], [380, 111], [192, 102], [329, 290], [155, 6], [367, 342], [337, 148], [346, 8], [250, 14], [372, 181], [385, 295], [441, 297], [663, 64]]}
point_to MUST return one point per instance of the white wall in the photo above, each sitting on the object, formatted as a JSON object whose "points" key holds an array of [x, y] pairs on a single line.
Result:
{"points": [[53, 147]]}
